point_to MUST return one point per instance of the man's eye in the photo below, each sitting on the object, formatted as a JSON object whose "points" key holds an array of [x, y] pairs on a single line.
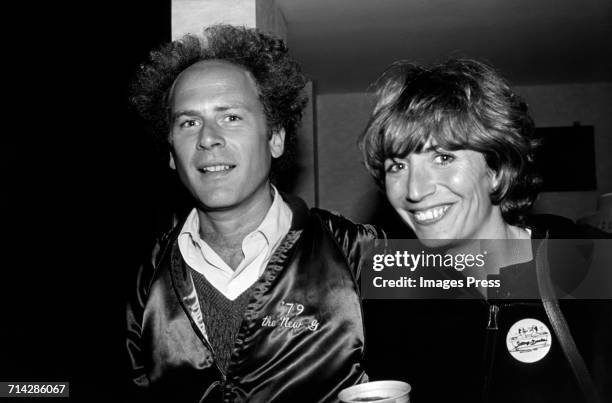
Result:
{"points": [[395, 167], [232, 118], [189, 123], [443, 158]]}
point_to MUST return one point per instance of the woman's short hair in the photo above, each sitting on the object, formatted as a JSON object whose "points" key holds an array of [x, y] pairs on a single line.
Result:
{"points": [[278, 76], [461, 104]]}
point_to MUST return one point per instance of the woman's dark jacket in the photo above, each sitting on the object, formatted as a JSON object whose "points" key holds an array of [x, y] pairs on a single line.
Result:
{"points": [[284, 352], [455, 350]]}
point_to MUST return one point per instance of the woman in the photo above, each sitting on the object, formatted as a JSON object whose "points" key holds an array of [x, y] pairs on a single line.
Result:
{"points": [[452, 146]]}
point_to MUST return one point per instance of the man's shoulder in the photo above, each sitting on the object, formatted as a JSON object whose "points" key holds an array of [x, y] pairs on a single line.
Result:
{"points": [[331, 216], [338, 224], [161, 245]]}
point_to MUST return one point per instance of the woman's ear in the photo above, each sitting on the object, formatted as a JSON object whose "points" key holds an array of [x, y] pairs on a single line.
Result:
{"points": [[500, 183], [496, 179]]}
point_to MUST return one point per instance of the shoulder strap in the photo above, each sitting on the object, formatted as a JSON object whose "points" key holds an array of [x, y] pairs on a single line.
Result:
{"points": [[560, 326]]}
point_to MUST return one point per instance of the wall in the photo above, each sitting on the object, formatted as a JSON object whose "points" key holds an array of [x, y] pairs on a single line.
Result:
{"points": [[345, 186], [561, 105]]}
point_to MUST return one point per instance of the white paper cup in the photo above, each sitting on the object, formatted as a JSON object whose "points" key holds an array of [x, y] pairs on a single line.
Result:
{"points": [[377, 392]]}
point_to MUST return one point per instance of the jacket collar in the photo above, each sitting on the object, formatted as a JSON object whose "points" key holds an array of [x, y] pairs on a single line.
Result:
{"points": [[183, 282], [300, 211]]}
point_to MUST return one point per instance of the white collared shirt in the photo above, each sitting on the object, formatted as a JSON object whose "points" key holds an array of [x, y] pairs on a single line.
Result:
{"points": [[257, 247]]}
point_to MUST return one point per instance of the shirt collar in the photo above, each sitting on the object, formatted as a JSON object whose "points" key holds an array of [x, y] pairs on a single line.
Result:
{"points": [[276, 220], [273, 227]]}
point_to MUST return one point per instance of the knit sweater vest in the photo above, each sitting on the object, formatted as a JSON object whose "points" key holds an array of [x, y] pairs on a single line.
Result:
{"points": [[222, 317]]}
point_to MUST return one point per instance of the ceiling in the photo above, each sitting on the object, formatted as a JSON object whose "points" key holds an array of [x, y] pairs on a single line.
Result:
{"points": [[344, 45]]}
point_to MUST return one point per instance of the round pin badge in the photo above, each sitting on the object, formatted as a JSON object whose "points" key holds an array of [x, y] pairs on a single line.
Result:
{"points": [[528, 340]]}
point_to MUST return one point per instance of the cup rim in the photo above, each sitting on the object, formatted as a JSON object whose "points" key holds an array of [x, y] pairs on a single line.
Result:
{"points": [[400, 385]]}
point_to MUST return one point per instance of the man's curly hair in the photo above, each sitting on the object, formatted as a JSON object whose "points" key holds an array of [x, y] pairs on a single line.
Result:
{"points": [[279, 79]]}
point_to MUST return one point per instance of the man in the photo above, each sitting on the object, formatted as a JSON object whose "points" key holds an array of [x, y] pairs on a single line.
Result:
{"points": [[252, 297]]}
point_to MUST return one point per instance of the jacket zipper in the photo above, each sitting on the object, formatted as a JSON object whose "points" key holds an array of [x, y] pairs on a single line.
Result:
{"points": [[490, 343], [492, 322], [223, 374]]}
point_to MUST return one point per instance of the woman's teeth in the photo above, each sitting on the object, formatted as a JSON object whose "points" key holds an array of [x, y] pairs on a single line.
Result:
{"points": [[430, 214]]}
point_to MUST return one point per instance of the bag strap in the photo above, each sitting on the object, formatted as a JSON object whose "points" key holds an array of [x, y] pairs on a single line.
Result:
{"points": [[560, 326]]}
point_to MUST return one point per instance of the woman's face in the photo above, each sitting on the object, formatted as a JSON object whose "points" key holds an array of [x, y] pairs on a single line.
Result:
{"points": [[444, 195]]}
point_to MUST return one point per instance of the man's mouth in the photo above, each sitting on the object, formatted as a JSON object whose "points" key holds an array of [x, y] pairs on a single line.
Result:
{"points": [[216, 168], [430, 215]]}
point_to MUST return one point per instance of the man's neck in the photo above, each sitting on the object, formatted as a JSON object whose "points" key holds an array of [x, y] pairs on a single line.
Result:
{"points": [[225, 230]]}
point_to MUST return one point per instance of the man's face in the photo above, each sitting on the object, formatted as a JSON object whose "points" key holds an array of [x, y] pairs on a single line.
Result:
{"points": [[220, 143]]}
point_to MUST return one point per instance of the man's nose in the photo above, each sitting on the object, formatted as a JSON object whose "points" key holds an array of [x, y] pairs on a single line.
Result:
{"points": [[420, 183], [210, 137]]}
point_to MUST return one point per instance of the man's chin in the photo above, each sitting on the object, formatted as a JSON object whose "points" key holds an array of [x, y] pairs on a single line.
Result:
{"points": [[224, 198], [219, 202]]}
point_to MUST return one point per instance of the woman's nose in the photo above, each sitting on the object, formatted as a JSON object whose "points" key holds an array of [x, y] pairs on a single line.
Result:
{"points": [[420, 183]]}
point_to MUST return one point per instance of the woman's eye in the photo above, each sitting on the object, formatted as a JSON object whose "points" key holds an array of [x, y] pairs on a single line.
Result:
{"points": [[443, 158]]}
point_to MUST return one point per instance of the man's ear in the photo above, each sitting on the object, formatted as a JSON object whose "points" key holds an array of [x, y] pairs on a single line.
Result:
{"points": [[171, 162], [277, 142]]}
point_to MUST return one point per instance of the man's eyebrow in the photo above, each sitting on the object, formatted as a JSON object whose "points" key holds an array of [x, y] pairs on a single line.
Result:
{"points": [[236, 105], [221, 108], [186, 112]]}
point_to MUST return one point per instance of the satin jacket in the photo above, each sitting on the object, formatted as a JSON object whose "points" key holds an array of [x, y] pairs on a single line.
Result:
{"points": [[301, 338]]}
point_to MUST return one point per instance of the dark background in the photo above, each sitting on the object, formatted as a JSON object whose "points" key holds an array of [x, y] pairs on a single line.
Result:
{"points": [[566, 158], [80, 182]]}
